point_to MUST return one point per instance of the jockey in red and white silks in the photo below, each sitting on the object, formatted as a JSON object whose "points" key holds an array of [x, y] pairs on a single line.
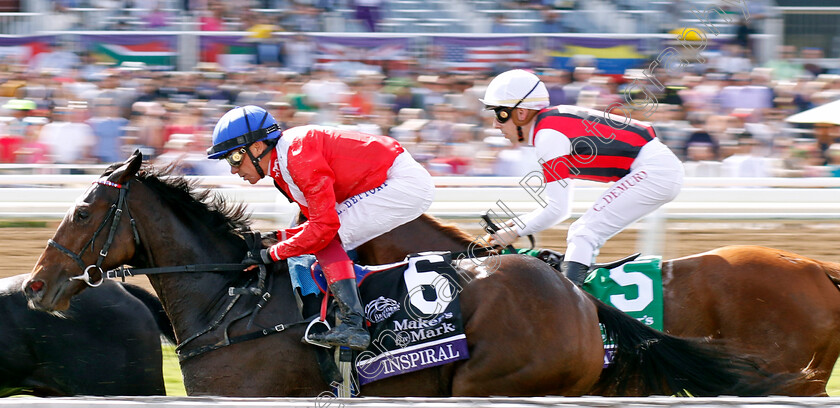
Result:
{"points": [[646, 175], [356, 185], [579, 143], [351, 186]]}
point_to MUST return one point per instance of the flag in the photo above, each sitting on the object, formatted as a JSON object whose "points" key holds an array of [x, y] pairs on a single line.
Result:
{"points": [[230, 51], [612, 55], [21, 49], [368, 50], [482, 54], [154, 50]]}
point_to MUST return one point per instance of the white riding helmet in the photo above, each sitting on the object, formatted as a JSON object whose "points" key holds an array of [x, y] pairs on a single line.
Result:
{"points": [[518, 88]]}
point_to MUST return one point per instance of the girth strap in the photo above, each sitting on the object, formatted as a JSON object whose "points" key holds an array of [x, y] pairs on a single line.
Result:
{"points": [[229, 341]]}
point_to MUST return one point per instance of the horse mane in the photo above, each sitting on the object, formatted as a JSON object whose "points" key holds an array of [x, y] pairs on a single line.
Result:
{"points": [[202, 207], [449, 230]]}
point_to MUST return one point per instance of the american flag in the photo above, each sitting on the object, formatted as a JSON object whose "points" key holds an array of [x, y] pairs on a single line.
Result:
{"points": [[334, 49], [482, 54]]}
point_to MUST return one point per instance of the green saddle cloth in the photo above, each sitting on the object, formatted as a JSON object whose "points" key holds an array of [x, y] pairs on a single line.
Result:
{"points": [[634, 288]]}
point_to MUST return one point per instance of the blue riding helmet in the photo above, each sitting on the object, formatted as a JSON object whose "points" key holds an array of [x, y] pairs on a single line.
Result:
{"points": [[242, 126]]}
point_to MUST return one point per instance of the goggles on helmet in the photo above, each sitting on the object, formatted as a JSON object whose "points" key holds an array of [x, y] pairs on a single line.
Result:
{"points": [[235, 157], [504, 113]]}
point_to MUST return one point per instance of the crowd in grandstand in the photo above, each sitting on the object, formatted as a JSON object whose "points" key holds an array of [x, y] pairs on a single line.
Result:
{"points": [[726, 117]]}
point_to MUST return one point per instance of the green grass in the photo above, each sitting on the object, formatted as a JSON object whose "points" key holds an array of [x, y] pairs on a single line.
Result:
{"points": [[172, 372], [833, 387], [175, 384]]}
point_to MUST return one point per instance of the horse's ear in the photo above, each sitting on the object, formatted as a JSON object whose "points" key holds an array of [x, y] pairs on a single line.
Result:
{"points": [[128, 169]]}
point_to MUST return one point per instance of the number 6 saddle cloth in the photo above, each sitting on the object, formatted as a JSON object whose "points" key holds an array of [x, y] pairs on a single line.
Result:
{"points": [[413, 313]]}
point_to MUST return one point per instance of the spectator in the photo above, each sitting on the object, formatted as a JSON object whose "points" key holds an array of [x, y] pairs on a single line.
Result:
{"points": [[700, 161], [69, 138], [784, 67], [701, 135], [156, 18], [32, 151], [147, 124], [214, 19], [13, 132], [282, 112], [184, 119], [109, 128], [551, 21], [743, 31], [60, 60], [300, 54], [367, 11], [745, 162], [732, 60], [269, 48], [834, 160], [812, 60], [826, 135]]}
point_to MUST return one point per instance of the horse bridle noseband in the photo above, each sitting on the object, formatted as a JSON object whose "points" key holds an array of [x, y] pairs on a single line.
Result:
{"points": [[115, 212]]}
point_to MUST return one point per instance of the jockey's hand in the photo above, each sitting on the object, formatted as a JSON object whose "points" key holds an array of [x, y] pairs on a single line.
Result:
{"points": [[253, 260], [503, 237]]}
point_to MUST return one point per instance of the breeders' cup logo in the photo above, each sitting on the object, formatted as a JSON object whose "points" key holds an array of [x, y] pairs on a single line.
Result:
{"points": [[381, 309]]}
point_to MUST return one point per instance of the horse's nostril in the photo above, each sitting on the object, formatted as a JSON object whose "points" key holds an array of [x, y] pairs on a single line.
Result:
{"points": [[36, 286]]}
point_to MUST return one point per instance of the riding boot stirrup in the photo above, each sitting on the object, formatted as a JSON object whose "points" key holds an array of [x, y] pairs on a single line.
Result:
{"points": [[351, 332]]}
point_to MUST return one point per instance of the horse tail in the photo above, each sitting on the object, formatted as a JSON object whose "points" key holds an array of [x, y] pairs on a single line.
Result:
{"points": [[154, 305], [650, 362]]}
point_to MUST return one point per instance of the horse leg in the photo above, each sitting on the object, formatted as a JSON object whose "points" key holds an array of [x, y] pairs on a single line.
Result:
{"points": [[531, 333]]}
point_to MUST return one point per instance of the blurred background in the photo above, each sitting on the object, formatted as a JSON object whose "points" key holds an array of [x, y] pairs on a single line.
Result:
{"points": [[743, 91], [86, 82]]}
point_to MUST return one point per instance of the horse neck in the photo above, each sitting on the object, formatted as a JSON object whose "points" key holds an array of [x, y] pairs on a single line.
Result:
{"points": [[422, 234], [193, 299]]}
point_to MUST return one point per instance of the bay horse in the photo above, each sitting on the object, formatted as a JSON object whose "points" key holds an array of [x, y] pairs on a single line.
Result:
{"points": [[106, 343], [779, 306], [529, 331]]}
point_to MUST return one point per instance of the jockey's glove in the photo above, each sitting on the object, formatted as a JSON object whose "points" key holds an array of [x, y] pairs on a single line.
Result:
{"points": [[262, 257]]}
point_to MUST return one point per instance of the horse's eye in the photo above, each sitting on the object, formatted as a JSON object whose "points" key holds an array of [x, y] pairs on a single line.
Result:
{"points": [[82, 214]]}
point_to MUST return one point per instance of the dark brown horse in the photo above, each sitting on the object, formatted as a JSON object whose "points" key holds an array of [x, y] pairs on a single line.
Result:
{"points": [[530, 331], [107, 343], [780, 306]]}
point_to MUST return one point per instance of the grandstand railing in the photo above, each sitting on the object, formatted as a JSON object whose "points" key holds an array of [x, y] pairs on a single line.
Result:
{"points": [[49, 196]]}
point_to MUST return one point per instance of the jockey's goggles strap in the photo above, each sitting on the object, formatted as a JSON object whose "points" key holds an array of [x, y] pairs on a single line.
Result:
{"points": [[243, 140]]}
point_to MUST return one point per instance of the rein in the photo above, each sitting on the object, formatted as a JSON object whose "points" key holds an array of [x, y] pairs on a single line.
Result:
{"points": [[253, 239], [491, 228]]}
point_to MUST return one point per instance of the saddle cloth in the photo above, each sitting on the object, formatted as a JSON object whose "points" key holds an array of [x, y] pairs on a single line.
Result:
{"points": [[413, 312], [634, 288]]}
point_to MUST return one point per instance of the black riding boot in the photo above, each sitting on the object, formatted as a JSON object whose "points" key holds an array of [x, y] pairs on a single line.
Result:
{"points": [[575, 271], [352, 331]]}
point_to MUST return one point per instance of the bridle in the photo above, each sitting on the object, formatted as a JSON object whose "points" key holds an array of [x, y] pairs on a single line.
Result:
{"points": [[115, 212], [235, 294]]}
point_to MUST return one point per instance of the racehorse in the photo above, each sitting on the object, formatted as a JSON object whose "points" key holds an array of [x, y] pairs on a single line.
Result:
{"points": [[529, 331], [779, 306], [106, 343]]}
